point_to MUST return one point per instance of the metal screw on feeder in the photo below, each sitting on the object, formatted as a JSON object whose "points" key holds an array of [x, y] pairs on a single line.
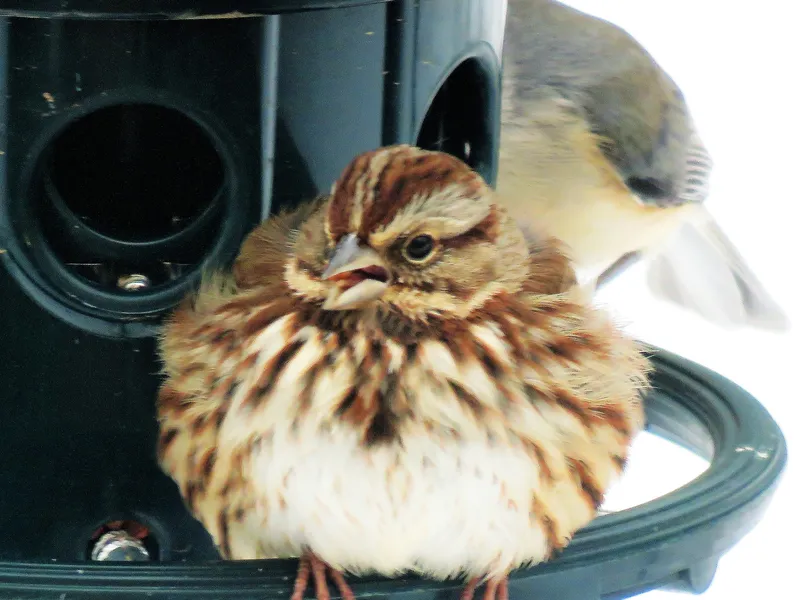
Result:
{"points": [[119, 546], [134, 282]]}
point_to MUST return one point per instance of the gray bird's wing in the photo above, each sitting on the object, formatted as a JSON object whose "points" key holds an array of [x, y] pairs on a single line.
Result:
{"points": [[700, 269]]}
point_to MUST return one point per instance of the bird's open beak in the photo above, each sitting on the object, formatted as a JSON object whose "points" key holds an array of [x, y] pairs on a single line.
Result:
{"points": [[360, 274]]}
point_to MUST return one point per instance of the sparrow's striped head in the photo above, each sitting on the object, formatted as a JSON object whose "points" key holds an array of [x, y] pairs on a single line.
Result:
{"points": [[402, 182], [414, 229]]}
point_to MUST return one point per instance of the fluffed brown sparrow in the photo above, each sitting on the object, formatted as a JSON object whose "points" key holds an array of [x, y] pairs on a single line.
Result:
{"points": [[394, 380]]}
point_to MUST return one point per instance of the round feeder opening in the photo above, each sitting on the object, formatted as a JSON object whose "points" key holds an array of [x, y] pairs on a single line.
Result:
{"points": [[134, 172], [128, 202], [458, 122]]}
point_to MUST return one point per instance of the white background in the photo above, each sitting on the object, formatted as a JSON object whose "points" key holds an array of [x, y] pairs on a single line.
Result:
{"points": [[739, 65]]}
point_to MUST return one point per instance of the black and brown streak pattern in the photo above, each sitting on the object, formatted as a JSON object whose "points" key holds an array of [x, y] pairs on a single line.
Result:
{"points": [[536, 370]]}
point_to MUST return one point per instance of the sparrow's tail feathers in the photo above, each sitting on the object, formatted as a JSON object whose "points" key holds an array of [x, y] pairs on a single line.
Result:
{"points": [[701, 270]]}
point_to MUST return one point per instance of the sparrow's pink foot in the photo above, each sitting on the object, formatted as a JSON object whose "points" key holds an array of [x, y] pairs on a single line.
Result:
{"points": [[311, 565], [496, 589]]}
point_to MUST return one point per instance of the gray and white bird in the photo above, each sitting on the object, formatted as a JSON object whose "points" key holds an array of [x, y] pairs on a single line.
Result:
{"points": [[599, 149]]}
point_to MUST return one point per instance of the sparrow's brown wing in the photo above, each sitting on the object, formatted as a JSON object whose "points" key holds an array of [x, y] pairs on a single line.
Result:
{"points": [[552, 271], [263, 255]]}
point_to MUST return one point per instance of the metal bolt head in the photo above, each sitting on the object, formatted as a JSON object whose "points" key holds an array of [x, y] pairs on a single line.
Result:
{"points": [[119, 546], [133, 282]]}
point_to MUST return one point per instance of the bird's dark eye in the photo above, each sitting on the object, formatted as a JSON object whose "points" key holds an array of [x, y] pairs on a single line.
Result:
{"points": [[419, 248]]}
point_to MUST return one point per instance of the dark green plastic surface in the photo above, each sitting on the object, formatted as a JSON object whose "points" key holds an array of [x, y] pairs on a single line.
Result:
{"points": [[165, 9]]}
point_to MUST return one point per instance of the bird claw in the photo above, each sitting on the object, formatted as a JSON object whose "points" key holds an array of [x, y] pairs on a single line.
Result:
{"points": [[311, 565], [496, 589]]}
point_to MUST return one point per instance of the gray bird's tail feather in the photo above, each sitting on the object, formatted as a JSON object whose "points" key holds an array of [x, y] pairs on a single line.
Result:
{"points": [[701, 270]]}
